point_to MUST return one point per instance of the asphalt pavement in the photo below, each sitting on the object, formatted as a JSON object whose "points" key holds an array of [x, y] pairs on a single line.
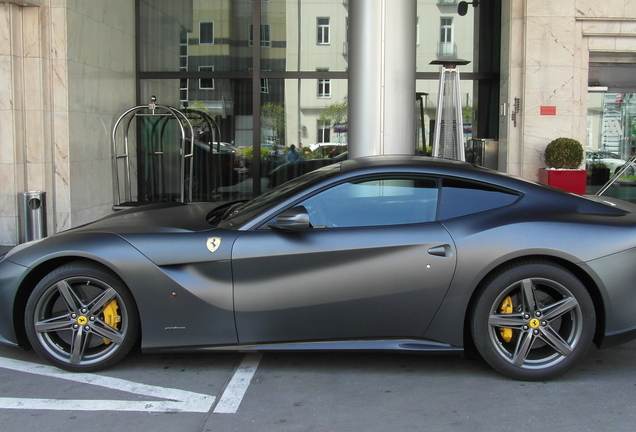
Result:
{"points": [[314, 392]]}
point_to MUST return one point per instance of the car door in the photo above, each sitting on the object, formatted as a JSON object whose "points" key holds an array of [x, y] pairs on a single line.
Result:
{"points": [[374, 264]]}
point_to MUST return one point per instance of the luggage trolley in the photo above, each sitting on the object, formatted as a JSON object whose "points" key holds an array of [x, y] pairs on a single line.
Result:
{"points": [[153, 170], [207, 172]]}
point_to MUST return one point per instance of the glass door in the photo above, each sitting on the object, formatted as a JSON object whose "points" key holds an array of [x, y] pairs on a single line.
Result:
{"points": [[611, 129]]}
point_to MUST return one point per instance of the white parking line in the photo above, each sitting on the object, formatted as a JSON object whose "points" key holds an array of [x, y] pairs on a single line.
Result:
{"points": [[170, 400], [101, 405], [236, 388]]}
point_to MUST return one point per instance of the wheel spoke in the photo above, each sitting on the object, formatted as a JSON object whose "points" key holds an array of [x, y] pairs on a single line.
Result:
{"points": [[528, 296], [72, 302], [552, 338], [54, 324], [514, 321], [523, 348], [559, 308], [99, 302], [78, 345], [106, 332]]}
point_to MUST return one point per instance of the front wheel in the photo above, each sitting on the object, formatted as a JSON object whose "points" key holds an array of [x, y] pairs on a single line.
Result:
{"points": [[533, 321], [81, 318], [628, 172]]}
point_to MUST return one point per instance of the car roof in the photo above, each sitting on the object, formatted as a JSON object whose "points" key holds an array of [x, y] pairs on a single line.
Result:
{"points": [[468, 171], [435, 164]]}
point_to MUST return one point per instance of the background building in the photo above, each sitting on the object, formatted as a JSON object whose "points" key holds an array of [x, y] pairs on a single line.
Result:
{"points": [[538, 70]]}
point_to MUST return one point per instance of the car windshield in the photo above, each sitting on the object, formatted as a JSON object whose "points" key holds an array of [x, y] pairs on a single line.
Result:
{"points": [[238, 214]]}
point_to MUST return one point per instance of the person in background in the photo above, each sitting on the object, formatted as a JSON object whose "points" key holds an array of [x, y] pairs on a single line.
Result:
{"points": [[292, 154]]}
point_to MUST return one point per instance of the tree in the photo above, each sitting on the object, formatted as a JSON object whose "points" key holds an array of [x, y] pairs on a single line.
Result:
{"points": [[337, 112], [467, 114], [197, 122], [273, 118]]}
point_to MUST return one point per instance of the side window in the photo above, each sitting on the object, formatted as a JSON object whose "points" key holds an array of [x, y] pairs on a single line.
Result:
{"points": [[461, 198], [374, 202]]}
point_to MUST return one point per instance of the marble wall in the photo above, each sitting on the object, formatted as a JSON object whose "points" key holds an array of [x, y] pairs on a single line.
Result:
{"points": [[546, 49], [101, 75], [68, 70]]}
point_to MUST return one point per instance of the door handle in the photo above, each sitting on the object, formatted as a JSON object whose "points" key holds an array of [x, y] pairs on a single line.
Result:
{"points": [[440, 251]]}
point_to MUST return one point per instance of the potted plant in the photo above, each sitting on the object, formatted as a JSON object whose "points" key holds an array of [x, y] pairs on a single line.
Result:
{"points": [[599, 172], [563, 158]]}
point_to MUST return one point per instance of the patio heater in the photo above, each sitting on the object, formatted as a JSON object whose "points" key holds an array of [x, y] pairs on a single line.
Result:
{"points": [[449, 132]]}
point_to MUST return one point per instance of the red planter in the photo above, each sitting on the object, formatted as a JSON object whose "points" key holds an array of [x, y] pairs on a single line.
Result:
{"points": [[570, 180]]}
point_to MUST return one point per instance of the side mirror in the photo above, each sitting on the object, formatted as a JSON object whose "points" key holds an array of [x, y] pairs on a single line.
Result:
{"points": [[293, 219]]}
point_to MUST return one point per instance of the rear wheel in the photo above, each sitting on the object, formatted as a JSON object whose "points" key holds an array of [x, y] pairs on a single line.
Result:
{"points": [[533, 321], [81, 318]]}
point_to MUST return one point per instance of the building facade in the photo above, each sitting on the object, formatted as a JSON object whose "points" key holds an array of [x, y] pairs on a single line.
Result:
{"points": [[538, 70]]}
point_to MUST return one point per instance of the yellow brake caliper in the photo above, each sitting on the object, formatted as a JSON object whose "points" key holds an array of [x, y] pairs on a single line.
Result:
{"points": [[111, 317], [506, 308]]}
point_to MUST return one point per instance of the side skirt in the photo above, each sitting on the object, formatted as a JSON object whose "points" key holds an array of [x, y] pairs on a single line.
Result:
{"points": [[348, 345]]}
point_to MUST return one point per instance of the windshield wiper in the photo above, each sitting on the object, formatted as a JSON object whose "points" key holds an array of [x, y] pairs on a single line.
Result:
{"points": [[220, 213]]}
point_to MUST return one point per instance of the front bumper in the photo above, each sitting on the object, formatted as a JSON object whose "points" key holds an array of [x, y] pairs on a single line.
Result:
{"points": [[11, 276]]}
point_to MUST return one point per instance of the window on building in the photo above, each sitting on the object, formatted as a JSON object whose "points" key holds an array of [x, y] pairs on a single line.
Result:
{"points": [[324, 88], [345, 45], [324, 133], [417, 31], [169, 66], [324, 85], [323, 31], [206, 83], [446, 45], [183, 51], [206, 32], [266, 40], [183, 65], [183, 89]]}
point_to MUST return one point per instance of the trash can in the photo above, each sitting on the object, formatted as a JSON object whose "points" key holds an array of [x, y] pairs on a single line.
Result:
{"points": [[32, 213], [483, 152]]}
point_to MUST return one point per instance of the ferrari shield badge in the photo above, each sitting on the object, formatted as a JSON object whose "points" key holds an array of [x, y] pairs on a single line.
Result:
{"points": [[213, 244]]}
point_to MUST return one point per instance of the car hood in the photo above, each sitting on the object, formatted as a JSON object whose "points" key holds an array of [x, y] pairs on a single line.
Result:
{"points": [[153, 218]]}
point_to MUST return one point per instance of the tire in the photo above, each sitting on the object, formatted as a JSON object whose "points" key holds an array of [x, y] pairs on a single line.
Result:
{"points": [[81, 318], [533, 321], [628, 172]]}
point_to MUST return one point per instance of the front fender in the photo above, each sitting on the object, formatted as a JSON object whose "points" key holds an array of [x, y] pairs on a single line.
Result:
{"points": [[171, 314]]}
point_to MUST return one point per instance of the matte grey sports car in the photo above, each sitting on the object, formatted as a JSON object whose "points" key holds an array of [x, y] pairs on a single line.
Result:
{"points": [[382, 253]]}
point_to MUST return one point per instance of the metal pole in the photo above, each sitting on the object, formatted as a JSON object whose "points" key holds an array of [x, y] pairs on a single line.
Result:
{"points": [[381, 76]]}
